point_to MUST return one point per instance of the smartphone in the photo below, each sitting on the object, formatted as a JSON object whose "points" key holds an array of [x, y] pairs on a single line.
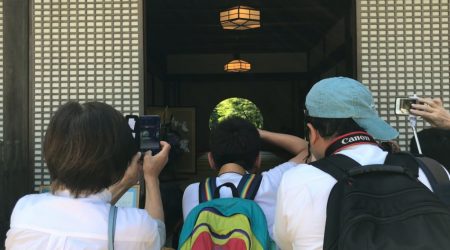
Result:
{"points": [[149, 129], [403, 105], [145, 131]]}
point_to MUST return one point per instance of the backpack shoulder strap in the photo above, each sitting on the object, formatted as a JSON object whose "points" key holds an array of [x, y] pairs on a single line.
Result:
{"points": [[248, 186], [437, 176], [336, 165], [434, 171], [405, 160], [206, 189]]}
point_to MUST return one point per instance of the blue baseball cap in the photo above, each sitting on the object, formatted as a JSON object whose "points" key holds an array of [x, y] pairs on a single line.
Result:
{"points": [[342, 97]]}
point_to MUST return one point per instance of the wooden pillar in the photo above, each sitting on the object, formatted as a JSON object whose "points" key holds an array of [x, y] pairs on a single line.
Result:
{"points": [[15, 167]]}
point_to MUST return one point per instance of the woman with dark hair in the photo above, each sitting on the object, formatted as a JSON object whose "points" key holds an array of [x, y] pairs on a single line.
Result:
{"points": [[88, 148]]}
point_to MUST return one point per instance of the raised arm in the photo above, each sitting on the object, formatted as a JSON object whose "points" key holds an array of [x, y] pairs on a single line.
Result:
{"points": [[131, 177], [433, 112], [152, 168], [293, 144]]}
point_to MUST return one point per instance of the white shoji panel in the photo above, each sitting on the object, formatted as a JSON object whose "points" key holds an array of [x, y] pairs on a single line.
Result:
{"points": [[404, 49], [83, 50], [1, 70]]}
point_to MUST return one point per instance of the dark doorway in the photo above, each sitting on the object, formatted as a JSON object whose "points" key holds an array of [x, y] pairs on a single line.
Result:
{"points": [[299, 42]]}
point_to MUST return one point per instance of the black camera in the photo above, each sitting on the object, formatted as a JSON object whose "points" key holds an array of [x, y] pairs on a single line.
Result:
{"points": [[146, 131]]}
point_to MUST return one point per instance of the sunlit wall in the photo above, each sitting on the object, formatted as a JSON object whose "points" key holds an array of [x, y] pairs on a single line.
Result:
{"points": [[404, 50], [83, 50]]}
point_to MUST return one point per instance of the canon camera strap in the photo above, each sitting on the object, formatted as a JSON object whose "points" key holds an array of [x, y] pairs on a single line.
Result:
{"points": [[350, 139]]}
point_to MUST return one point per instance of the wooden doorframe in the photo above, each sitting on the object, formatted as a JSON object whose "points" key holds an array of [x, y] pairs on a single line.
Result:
{"points": [[15, 167]]}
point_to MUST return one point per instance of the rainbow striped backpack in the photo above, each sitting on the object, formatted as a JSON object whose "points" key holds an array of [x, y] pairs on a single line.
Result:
{"points": [[226, 223]]}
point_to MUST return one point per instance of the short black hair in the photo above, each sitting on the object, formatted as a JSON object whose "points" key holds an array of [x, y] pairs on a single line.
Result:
{"points": [[332, 127], [87, 147], [235, 140], [435, 143]]}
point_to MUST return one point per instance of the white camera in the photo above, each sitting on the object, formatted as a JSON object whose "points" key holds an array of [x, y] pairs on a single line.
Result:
{"points": [[403, 105]]}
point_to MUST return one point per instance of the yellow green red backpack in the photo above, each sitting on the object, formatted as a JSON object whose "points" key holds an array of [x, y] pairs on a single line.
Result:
{"points": [[226, 223]]}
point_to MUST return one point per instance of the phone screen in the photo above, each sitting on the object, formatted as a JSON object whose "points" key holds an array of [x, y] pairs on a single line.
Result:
{"points": [[149, 126], [403, 105]]}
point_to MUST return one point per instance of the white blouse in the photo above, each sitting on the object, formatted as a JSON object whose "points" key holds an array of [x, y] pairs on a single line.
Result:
{"points": [[60, 221]]}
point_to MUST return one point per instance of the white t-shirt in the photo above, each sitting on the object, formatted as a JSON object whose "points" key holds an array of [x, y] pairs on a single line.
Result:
{"points": [[302, 200], [47, 221], [265, 197]]}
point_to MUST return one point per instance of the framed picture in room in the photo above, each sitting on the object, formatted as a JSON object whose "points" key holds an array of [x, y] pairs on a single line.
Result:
{"points": [[130, 198], [178, 128]]}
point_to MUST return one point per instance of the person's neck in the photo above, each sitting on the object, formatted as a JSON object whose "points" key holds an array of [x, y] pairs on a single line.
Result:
{"points": [[348, 140], [232, 168]]}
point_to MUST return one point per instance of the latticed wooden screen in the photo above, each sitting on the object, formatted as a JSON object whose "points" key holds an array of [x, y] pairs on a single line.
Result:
{"points": [[83, 50], [404, 50], [1, 70]]}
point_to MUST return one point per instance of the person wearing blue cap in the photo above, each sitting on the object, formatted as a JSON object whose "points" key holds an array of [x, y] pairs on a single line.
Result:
{"points": [[340, 118]]}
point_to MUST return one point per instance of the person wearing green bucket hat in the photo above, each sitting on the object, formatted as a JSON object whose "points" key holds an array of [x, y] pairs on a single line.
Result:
{"points": [[340, 119]]}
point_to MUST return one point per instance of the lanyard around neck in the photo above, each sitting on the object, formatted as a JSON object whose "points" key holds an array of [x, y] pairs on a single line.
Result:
{"points": [[350, 139]]}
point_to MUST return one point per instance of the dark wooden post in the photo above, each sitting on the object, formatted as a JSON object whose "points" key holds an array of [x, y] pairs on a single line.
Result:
{"points": [[15, 169]]}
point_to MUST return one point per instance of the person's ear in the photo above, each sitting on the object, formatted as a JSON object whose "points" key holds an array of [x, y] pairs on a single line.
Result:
{"points": [[257, 163], [212, 163], [313, 133]]}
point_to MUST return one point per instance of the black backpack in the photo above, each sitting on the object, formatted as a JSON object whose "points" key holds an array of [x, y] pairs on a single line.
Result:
{"points": [[382, 206], [437, 177]]}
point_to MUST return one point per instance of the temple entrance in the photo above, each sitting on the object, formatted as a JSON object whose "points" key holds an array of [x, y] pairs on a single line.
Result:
{"points": [[297, 43]]}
